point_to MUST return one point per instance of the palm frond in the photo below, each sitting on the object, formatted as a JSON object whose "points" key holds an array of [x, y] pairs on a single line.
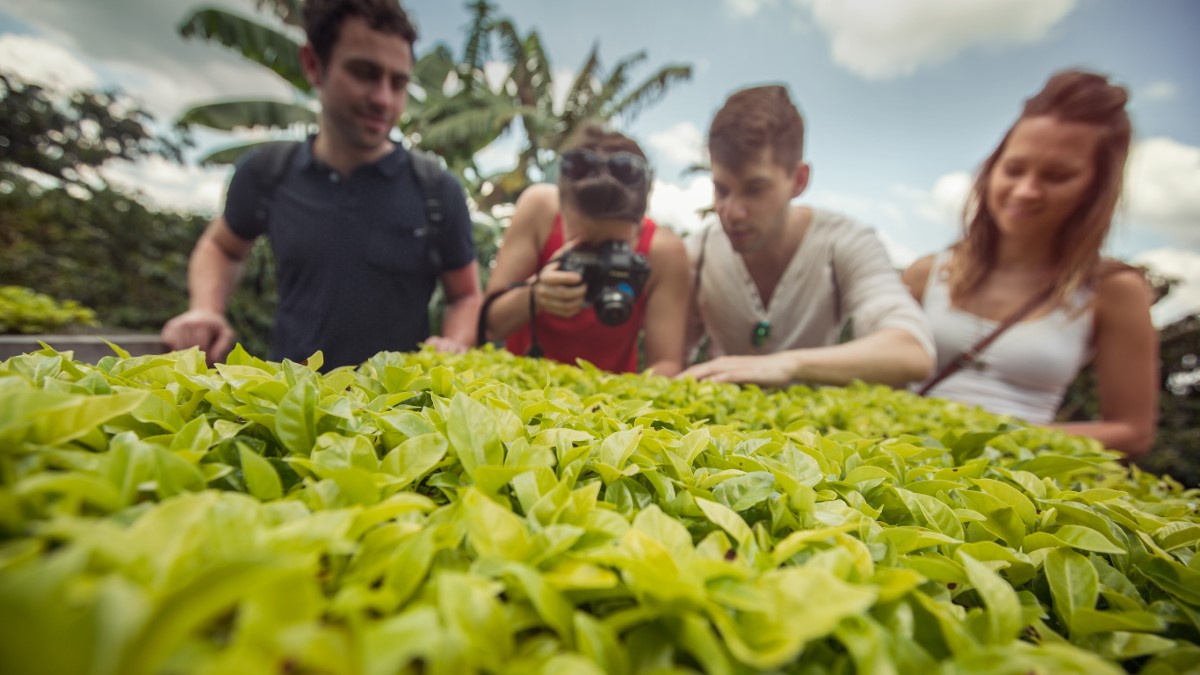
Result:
{"points": [[259, 43], [617, 80], [247, 114], [230, 154], [432, 69], [479, 44], [581, 92], [649, 92], [541, 76], [468, 131]]}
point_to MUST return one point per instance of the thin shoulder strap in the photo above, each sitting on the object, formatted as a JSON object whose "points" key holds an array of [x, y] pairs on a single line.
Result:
{"points": [[271, 161], [971, 355]]}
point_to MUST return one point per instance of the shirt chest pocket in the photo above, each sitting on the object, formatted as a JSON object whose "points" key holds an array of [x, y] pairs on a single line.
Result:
{"points": [[399, 249]]}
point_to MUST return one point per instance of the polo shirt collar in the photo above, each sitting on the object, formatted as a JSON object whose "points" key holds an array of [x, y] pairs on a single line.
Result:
{"points": [[389, 165]]}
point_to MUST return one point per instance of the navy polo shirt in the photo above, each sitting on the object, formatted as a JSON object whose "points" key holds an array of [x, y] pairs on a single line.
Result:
{"points": [[352, 266]]}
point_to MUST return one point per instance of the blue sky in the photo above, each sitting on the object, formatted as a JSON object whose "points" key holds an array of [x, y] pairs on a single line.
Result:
{"points": [[903, 98]]}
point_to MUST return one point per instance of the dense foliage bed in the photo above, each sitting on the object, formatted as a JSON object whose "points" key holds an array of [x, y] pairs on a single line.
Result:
{"points": [[486, 513]]}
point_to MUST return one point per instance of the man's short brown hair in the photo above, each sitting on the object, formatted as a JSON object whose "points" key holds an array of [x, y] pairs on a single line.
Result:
{"points": [[323, 21], [753, 119]]}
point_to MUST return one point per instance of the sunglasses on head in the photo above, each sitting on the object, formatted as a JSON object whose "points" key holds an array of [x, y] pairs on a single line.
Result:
{"points": [[626, 167]]}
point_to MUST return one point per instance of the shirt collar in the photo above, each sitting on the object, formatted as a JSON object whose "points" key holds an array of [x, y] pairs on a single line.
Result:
{"points": [[389, 165]]}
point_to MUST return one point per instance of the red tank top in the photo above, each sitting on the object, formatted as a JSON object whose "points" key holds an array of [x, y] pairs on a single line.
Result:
{"points": [[583, 336]]}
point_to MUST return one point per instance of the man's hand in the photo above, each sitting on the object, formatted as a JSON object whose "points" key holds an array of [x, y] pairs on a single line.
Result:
{"points": [[201, 328], [559, 293], [446, 345], [767, 370]]}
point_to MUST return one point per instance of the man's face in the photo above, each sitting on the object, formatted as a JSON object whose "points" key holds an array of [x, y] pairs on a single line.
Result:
{"points": [[753, 202], [364, 86]]}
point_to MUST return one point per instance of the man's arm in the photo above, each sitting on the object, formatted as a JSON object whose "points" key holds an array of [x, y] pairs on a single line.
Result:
{"points": [[667, 304], [463, 298], [888, 356], [894, 344], [213, 272]]}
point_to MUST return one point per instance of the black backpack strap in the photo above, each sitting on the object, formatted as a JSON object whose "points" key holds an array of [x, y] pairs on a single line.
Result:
{"points": [[429, 172], [270, 163]]}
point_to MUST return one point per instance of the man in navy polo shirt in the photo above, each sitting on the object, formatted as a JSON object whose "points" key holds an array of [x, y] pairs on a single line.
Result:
{"points": [[347, 221]]}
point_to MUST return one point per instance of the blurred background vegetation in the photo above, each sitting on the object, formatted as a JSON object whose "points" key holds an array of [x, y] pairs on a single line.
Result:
{"points": [[67, 233]]}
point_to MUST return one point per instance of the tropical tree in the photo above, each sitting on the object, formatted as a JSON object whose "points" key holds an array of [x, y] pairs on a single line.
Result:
{"points": [[594, 94], [270, 46], [453, 110], [57, 135], [66, 233], [445, 89]]}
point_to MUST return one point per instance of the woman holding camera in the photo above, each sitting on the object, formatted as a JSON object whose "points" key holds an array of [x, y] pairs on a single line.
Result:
{"points": [[1024, 300], [622, 275]]}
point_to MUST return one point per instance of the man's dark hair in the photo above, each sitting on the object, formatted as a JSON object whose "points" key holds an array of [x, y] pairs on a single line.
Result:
{"points": [[323, 21], [754, 119]]}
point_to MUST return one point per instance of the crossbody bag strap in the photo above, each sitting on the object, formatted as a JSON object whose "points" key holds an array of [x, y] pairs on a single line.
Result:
{"points": [[971, 355]]}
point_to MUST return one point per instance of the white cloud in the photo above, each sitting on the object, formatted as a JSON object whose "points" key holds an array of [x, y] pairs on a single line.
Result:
{"points": [[1184, 299], [883, 39], [136, 45], [495, 72], [682, 144], [167, 93], [747, 8], [39, 61], [943, 203], [678, 206], [891, 220], [169, 186], [900, 254], [1161, 91], [502, 153], [561, 81], [1163, 188]]}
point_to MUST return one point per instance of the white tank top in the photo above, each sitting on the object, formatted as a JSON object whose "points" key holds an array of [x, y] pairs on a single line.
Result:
{"points": [[1025, 371]]}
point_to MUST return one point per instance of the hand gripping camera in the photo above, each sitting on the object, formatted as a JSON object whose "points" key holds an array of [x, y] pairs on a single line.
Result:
{"points": [[614, 275]]}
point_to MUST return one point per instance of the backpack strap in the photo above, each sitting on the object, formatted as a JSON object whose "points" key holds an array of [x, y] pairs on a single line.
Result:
{"points": [[427, 167], [271, 162]]}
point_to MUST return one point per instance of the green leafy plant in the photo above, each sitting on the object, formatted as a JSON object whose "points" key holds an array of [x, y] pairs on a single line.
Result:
{"points": [[428, 513], [24, 310]]}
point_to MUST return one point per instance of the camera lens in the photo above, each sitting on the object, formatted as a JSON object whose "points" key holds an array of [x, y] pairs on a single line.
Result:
{"points": [[614, 304]]}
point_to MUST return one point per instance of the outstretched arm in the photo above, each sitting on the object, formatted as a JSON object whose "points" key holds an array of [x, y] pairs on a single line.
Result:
{"points": [[894, 344], [889, 356], [1127, 367], [213, 273], [556, 292], [463, 298]]}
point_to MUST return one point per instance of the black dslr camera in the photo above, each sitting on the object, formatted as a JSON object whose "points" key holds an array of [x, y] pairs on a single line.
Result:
{"points": [[614, 276]]}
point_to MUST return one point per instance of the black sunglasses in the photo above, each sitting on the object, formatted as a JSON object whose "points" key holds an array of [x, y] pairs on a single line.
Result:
{"points": [[624, 166]]}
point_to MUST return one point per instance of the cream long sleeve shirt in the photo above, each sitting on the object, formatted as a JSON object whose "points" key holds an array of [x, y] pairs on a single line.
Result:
{"points": [[840, 271]]}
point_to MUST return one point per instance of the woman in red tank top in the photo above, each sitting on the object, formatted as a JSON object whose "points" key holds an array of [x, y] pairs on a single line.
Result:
{"points": [[599, 202]]}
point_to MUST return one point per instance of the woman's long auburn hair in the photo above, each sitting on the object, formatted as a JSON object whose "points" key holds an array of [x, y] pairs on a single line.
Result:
{"points": [[1069, 96]]}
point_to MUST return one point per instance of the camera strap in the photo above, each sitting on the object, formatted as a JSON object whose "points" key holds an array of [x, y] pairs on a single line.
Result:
{"points": [[481, 324], [535, 347]]}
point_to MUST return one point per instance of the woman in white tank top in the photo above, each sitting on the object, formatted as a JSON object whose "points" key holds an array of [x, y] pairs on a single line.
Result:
{"points": [[1038, 215]]}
